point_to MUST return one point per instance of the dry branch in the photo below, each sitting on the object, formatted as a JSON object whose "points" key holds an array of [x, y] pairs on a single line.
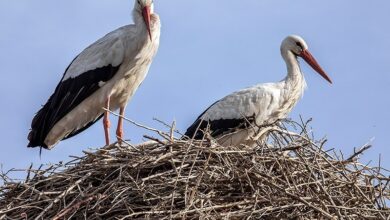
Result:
{"points": [[289, 176]]}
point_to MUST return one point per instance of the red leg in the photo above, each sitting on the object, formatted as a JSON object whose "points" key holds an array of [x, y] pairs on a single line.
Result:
{"points": [[119, 130], [106, 122]]}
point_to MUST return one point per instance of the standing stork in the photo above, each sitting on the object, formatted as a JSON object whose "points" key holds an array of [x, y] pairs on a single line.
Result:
{"points": [[103, 76], [229, 119]]}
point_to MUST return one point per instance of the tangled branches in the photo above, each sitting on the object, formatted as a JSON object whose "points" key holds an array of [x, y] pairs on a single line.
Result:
{"points": [[290, 176]]}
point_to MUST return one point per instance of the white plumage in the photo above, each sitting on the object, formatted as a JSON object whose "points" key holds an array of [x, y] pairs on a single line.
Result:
{"points": [[109, 50], [104, 75], [229, 119]]}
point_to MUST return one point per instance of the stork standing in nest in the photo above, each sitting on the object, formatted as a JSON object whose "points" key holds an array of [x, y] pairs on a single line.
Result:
{"points": [[231, 119], [103, 76]]}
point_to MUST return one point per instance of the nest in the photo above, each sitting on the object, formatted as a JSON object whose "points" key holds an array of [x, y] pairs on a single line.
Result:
{"points": [[288, 176]]}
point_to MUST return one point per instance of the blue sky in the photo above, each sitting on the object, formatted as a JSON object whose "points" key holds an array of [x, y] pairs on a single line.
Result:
{"points": [[209, 48]]}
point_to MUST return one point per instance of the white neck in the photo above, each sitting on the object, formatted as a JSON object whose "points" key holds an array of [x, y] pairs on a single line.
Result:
{"points": [[140, 24], [295, 82], [293, 68], [294, 73], [137, 17]]}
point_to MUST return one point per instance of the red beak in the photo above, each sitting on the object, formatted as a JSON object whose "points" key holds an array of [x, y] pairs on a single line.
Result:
{"points": [[306, 55], [146, 15]]}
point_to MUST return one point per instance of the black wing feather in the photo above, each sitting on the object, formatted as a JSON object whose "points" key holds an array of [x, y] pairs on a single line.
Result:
{"points": [[216, 127], [67, 95]]}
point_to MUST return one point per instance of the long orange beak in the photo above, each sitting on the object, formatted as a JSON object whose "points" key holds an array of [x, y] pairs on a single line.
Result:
{"points": [[146, 15], [306, 55]]}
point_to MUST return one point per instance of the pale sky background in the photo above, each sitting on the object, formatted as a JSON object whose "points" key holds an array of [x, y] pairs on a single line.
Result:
{"points": [[209, 48]]}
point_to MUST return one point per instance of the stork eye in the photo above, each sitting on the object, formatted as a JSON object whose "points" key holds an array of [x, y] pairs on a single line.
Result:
{"points": [[299, 45]]}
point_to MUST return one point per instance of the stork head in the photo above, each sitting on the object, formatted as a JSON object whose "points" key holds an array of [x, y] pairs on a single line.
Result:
{"points": [[298, 47], [145, 8]]}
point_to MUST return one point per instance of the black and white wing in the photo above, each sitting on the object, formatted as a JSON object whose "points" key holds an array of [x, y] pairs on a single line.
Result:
{"points": [[88, 72], [235, 111]]}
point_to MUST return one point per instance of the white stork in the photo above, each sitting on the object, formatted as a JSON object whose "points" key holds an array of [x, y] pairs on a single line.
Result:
{"points": [[229, 119], [105, 75]]}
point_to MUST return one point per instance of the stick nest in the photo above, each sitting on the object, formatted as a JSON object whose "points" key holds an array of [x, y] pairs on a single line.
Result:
{"points": [[287, 176]]}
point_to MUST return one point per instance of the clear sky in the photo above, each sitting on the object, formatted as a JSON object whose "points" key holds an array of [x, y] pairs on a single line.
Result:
{"points": [[209, 48]]}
